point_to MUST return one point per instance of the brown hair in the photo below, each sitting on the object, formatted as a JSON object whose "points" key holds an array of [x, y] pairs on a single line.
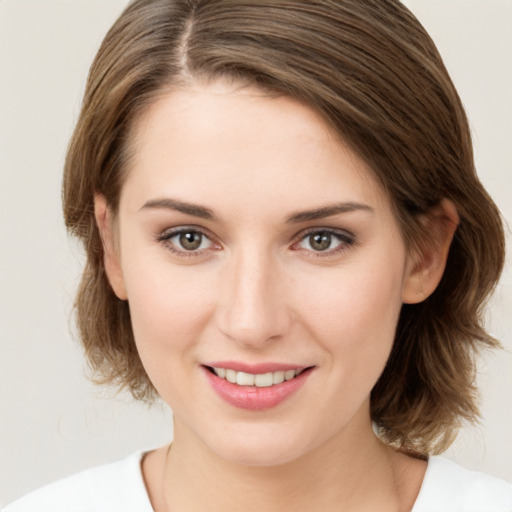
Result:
{"points": [[370, 69]]}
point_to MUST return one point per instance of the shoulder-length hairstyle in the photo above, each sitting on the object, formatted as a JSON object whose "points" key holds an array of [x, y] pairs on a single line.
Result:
{"points": [[373, 73]]}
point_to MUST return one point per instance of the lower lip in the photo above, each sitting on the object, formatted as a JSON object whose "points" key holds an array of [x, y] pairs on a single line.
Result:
{"points": [[253, 398]]}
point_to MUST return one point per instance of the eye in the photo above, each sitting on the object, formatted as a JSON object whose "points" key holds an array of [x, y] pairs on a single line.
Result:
{"points": [[191, 240], [186, 241], [325, 241]]}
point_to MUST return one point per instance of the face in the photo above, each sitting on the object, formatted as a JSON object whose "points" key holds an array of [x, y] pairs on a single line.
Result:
{"points": [[254, 247]]}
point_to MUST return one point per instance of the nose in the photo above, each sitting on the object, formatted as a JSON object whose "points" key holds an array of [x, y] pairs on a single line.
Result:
{"points": [[252, 307]]}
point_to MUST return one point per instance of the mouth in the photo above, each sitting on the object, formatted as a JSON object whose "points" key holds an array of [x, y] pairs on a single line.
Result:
{"points": [[256, 388], [259, 380]]}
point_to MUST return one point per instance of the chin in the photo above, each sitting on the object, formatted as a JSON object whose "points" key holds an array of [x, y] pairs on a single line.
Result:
{"points": [[261, 448]]}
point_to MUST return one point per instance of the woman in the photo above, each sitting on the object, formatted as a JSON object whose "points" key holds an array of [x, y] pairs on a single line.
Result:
{"points": [[287, 242]]}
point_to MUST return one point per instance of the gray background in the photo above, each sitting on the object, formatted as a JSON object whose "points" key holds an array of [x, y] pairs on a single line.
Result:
{"points": [[52, 421]]}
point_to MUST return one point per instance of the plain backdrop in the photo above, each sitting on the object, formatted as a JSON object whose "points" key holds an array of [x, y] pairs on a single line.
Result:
{"points": [[52, 420]]}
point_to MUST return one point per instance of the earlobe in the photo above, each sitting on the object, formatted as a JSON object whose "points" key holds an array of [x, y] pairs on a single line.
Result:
{"points": [[111, 261], [426, 266]]}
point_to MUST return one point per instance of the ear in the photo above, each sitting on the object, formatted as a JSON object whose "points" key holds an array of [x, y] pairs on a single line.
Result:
{"points": [[426, 266], [104, 221]]}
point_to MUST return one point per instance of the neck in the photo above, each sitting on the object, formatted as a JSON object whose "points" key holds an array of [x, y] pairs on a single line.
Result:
{"points": [[345, 473]]}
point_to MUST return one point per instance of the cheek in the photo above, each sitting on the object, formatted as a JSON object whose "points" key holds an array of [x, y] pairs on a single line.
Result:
{"points": [[353, 314], [168, 308]]}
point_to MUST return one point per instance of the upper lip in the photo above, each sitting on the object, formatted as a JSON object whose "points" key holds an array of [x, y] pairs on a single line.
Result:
{"points": [[255, 369]]}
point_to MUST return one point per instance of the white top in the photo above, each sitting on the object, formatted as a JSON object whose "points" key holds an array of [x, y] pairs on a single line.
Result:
{"points": [[119, 487]]}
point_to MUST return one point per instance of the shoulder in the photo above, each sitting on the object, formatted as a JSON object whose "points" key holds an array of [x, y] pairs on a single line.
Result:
{"points": [[448, 486], [116, 487]]}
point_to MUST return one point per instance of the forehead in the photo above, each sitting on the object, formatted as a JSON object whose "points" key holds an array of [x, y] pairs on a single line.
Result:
{"points": [[225, 142]]}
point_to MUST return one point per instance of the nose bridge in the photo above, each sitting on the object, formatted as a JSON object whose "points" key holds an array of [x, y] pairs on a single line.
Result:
{"points": [[252, 311]]}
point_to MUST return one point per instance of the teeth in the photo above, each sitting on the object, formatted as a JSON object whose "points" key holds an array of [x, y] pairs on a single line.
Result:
{"points": [[278, 377], [261, 380], [231, 376], [289, 374], [244, 379]]}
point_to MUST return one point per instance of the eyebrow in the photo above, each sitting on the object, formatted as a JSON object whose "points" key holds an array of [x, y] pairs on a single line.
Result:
{"points": [[328, 211], [180, 206], [307, 215]]}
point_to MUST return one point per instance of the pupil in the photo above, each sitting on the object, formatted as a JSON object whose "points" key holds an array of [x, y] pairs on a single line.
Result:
{"points": [[190, 240], [320, 241]]}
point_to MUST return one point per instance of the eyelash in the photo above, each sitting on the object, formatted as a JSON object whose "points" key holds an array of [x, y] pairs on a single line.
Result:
{"points": [[345, 239], [166, 236]]}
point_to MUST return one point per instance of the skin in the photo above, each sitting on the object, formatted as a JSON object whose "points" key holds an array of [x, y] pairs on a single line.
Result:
{"points": [[258, 290]]}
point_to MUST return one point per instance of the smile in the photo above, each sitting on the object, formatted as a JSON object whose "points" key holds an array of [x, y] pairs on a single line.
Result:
{"points": [[259, 387], [259, 380]]}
